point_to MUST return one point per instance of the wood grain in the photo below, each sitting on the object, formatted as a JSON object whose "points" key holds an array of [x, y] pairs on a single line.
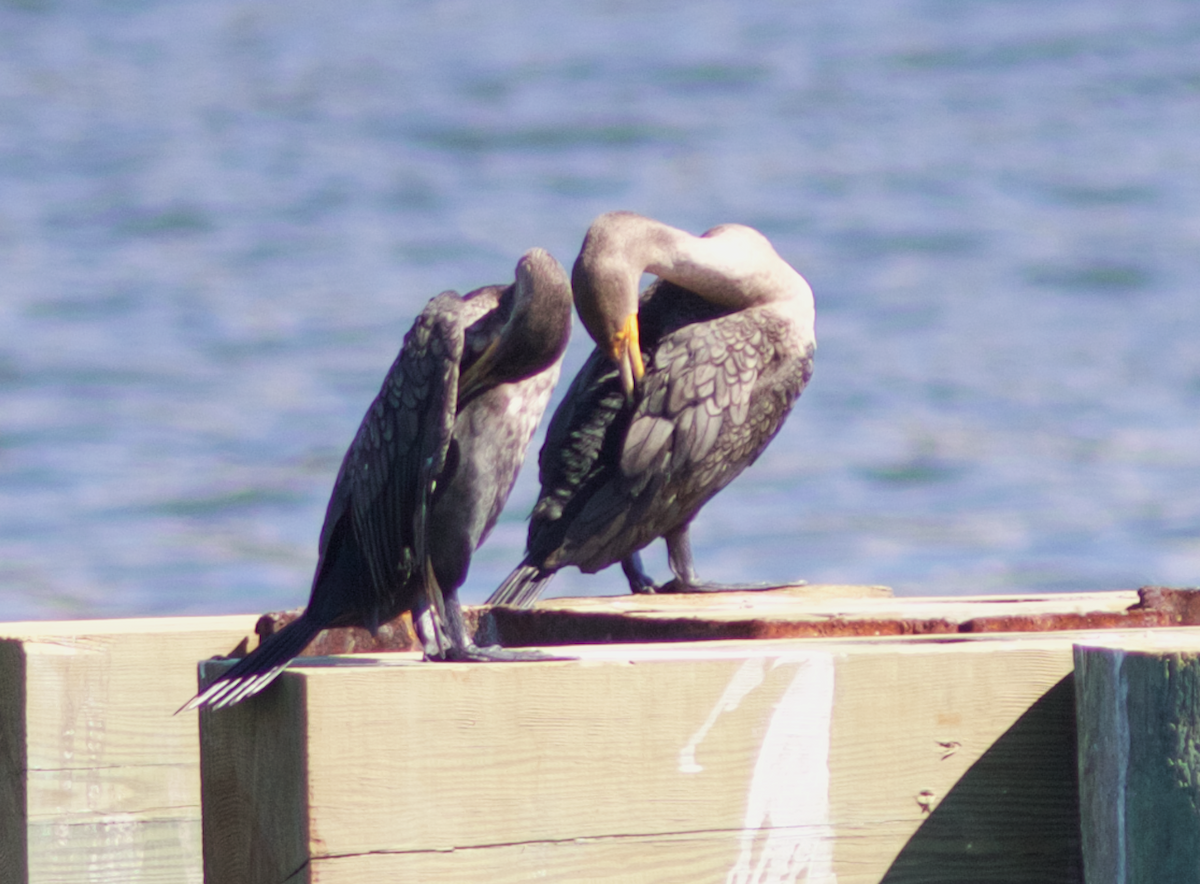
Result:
{"points": [[100, 779], [943, 761], [825, 611], [1139, 756]]}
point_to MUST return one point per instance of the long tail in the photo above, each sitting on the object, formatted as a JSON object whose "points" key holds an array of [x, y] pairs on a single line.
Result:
{"points": [[257, 669], [522, 587]]}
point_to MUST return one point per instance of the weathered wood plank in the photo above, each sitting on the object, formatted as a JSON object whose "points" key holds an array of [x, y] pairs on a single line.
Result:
{"points": [[255, 802], [83, 705], [1139, 757], [869, 760], [99, 780], [827, 612], [660, 859], [807, 611], [14, 852]]}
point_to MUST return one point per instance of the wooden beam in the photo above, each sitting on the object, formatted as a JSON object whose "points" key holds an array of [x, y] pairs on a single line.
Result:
{"points": [[1139, 757], [99, 780], [860, 761], [827, 612], [808, 611]]}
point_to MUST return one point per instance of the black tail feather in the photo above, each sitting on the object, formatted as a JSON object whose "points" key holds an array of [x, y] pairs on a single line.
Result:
{"points": [[522, 587], [257, 669]]}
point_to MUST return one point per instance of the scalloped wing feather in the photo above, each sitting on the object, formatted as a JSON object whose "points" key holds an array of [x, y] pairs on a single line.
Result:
{"points": [[399, 447]]}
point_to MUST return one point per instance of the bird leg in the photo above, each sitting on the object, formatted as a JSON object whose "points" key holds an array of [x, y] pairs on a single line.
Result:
{"points": [[639, 581], [431, 633], [463, 649], [679, 556]]}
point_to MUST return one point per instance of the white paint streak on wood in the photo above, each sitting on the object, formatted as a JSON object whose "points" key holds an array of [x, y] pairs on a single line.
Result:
{"points": [[789, 793], [582, 770], [746, 679]]}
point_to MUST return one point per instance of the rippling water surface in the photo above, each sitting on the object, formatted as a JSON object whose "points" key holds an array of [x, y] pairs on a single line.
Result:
{"points": [[218, 219]]}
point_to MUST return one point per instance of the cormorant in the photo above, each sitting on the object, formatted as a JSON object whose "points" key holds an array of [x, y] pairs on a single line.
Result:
{"points": [[684, 390], [429, 471]]}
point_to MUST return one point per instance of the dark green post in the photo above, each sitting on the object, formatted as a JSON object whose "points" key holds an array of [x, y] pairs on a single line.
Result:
{"points": [[1138, 713]]}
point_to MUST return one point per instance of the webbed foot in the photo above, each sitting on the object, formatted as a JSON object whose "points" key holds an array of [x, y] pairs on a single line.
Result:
{"points": [[472, 653], [678, 586]]}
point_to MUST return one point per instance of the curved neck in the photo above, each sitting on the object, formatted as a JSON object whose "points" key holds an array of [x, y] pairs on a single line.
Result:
{"points": [[536, 333], [731, 265]]}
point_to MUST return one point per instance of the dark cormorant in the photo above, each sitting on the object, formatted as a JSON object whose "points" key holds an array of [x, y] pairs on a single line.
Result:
{"points": [[683, 392], [428, 471]]}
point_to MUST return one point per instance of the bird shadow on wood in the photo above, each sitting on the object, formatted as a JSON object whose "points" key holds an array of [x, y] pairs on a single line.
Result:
{"points": [[1014, 815]]}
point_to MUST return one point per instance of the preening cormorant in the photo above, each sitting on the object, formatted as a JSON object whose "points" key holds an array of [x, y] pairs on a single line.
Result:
{"points": [[686, 387], [428, 471]]}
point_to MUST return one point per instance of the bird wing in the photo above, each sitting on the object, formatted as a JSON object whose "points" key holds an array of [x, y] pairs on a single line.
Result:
{"points": [[615, 477], [582, 443], [703, 415], [390, 469], [576, 437], [704, 403], [685, 394]]}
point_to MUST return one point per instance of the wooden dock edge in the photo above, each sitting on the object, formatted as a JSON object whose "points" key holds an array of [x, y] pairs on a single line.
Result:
{"points": [[856, 760], [99, 779], [1139, 756]]}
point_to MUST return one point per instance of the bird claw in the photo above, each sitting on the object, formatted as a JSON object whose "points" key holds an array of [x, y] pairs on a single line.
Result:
{"points": [[678, 586], [497, 654], [640, 583]]}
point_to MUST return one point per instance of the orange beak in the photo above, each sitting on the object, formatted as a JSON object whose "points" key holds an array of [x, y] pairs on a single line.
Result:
{"points": [[626, 351]]}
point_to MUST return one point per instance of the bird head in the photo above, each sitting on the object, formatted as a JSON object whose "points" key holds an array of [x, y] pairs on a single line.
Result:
{"points": [[536, 333], [604, 283]]}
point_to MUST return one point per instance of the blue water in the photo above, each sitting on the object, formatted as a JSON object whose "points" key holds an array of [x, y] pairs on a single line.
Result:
{"points": [[218, 219]]}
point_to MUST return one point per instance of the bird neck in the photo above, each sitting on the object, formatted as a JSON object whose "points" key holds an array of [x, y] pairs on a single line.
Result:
{"points": [[731, 266]]}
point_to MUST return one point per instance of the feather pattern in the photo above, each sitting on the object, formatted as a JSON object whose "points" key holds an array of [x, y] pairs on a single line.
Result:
{"points": [[727, 342], [429, 469]]}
